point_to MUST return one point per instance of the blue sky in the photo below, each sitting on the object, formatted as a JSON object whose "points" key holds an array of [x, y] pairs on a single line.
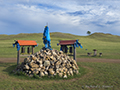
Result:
{"points": [[67, 16]]}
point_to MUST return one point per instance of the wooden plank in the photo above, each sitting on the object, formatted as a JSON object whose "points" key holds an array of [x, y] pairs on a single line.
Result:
{"points": [[70, 54], [74, 54], [32, 49], [25, 55], [18, 57]]}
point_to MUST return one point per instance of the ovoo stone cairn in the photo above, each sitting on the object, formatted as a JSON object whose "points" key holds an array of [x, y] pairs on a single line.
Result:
{"points": [[48, 62]]}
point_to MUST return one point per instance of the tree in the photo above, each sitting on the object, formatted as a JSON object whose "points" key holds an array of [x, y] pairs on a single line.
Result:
{"points": [[88, 32]]}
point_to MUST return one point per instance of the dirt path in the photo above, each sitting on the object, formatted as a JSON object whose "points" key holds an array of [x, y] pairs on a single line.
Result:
{"points": [[11, 60], [98, 60]]}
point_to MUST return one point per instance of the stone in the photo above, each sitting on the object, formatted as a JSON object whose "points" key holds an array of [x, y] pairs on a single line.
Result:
{"points": [[48, 53], [33, 57], [42, 74], [42, 70], [61, 52], [52, 63], [40, 61], [65, 76], [33, 65], [38, 69], [68, 73], [47, 58], [40, 65], [54, 54], [71, 72], [56, 66], [76, 71], [51, 72], [31, 75], [46, 68], [44, 51], [45, 72], [29, 72], [26, 67], [74, 67], [26, 60], [32, 69], [57, 70], [48, 63], [41, 55], [60, 74], [35, 71]]}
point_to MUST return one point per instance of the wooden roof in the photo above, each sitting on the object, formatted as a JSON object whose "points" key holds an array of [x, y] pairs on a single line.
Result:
{"points": [[67, 42], [27, 43]]}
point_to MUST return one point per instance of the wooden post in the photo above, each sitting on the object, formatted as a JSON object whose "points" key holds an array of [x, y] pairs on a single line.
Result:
{"points": [[32, 49], [100, 54], [95, 52], [18, 57], [74, 54]]}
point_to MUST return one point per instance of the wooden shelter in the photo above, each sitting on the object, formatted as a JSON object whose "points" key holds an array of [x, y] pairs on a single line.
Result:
{"points": [[23, 43], [72, 49]]}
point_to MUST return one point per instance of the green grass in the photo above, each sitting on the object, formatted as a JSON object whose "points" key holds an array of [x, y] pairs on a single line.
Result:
{"points": [[108, 44], [105, 37], [94, 76], [99, 76]]}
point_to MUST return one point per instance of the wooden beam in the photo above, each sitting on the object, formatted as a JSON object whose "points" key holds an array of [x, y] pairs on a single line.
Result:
{"points": [[32, 49], [18, 57], [74, 54]]}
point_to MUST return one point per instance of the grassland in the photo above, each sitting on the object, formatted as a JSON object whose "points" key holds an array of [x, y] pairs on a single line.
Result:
{"points": [[99, 76], [94, 75], [108, 44]]}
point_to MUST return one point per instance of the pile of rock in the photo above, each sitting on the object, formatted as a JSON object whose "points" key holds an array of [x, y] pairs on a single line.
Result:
{"points": [[48, 63]]}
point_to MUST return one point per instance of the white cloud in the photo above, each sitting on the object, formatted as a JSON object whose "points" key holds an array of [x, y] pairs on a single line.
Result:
{"points": [[31, 16]]}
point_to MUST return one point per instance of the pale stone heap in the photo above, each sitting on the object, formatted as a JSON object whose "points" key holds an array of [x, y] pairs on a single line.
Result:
{"points": [[48, 63]]}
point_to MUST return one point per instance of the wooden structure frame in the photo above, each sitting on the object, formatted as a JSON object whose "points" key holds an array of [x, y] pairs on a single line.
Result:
{"points": [[20, 43], [73, 43]]}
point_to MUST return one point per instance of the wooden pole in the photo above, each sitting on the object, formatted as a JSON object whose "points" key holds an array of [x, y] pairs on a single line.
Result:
{"points": [[32, 49], [74, 54], [95, 53], [18, 57]]}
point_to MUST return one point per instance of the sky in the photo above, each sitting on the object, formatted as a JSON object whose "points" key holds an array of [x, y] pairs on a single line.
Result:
{"points": [[66, 16]]}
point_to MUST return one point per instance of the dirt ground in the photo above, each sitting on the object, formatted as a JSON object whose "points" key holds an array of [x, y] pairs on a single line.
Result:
{"points": [[13, 60], [98, 60]]}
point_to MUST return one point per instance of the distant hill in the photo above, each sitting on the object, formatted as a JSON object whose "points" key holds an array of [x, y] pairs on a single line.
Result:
{"points": [[63, 35], [105, 37], [21, 35], [98, 36], [26, 35]]}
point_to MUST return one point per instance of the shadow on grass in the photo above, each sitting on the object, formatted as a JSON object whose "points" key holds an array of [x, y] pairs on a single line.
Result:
{"points": [[22, 76]]}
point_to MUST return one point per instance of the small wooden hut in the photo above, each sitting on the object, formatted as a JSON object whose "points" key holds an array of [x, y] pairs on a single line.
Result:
{"points": [[72, 49], [22, 43]]}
